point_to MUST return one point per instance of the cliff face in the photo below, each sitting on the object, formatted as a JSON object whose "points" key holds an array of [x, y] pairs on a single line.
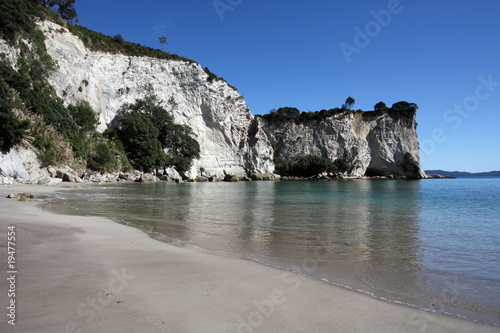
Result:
{"points": [[216, 112], [231, 139], [374, 142]]}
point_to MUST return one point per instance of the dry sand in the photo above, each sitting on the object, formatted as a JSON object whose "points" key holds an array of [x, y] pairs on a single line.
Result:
{"points": [[86, 274]]}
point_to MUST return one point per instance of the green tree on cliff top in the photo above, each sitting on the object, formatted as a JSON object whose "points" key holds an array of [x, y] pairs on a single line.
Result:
{"points": [[349, 102], [163, 41]]}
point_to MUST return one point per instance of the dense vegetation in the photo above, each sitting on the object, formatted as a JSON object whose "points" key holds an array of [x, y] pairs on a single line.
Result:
{"points": [[64, 8], [31, 112], [140, 140], [147, 129], [11, 128], [60, 134], [97, 41], [310, 165], [16, 22], [16, 18], [285, 114]]}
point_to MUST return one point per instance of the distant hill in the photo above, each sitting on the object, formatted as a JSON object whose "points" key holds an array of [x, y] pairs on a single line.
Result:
{"points": [[462, 174]]}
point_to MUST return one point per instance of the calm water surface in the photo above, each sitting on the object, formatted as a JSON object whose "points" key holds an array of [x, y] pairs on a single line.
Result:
{"points": [[432, 244]]}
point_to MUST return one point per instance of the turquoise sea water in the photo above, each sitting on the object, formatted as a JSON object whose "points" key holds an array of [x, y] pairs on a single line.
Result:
{"points": [[432, 244]]}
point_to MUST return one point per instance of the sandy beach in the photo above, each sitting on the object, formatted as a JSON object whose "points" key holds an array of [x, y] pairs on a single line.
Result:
{"points": [[89, 274]]}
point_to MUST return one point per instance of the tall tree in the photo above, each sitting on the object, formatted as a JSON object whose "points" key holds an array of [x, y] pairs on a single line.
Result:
{"points": [[163, 41], [349, 102], [65, 9]]}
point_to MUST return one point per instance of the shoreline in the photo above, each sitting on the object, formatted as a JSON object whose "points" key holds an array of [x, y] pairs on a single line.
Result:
{"points": [[79, 273]]}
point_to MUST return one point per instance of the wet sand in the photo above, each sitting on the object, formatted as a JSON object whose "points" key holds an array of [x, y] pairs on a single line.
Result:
{"points": [[89, 274]]}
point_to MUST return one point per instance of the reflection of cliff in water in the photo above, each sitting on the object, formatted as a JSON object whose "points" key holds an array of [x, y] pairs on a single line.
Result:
{"points": [[339, 230], [352, 232], [393, 232], [231, 218], [332, 230]]}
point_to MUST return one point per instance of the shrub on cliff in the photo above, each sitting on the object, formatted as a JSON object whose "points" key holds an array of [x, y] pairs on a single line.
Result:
{"points": [[52, 147], [118, 38], [15, 18], [342, 165], [140, 139], [282, 166], [11, 128], [288, 111], [310, 165], [403, 106], [84, 116], [176, 139], [59, 133], [105, 155], [380, 106], [288, 114], [97, 41], [64, 8], [182, 147], [39, 99], [29, 110]]}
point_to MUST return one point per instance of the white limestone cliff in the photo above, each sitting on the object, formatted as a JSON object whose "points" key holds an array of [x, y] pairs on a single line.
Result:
{"points": [[231, 139], [375, 142], [216, 112], [21, 163]]}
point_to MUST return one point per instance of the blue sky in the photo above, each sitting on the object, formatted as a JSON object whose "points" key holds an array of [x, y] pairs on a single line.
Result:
{"points": [[311, 54]]}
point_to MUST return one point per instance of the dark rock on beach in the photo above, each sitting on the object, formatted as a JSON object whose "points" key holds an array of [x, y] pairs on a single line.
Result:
{"points": [[231, 178], [21, 196]]}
